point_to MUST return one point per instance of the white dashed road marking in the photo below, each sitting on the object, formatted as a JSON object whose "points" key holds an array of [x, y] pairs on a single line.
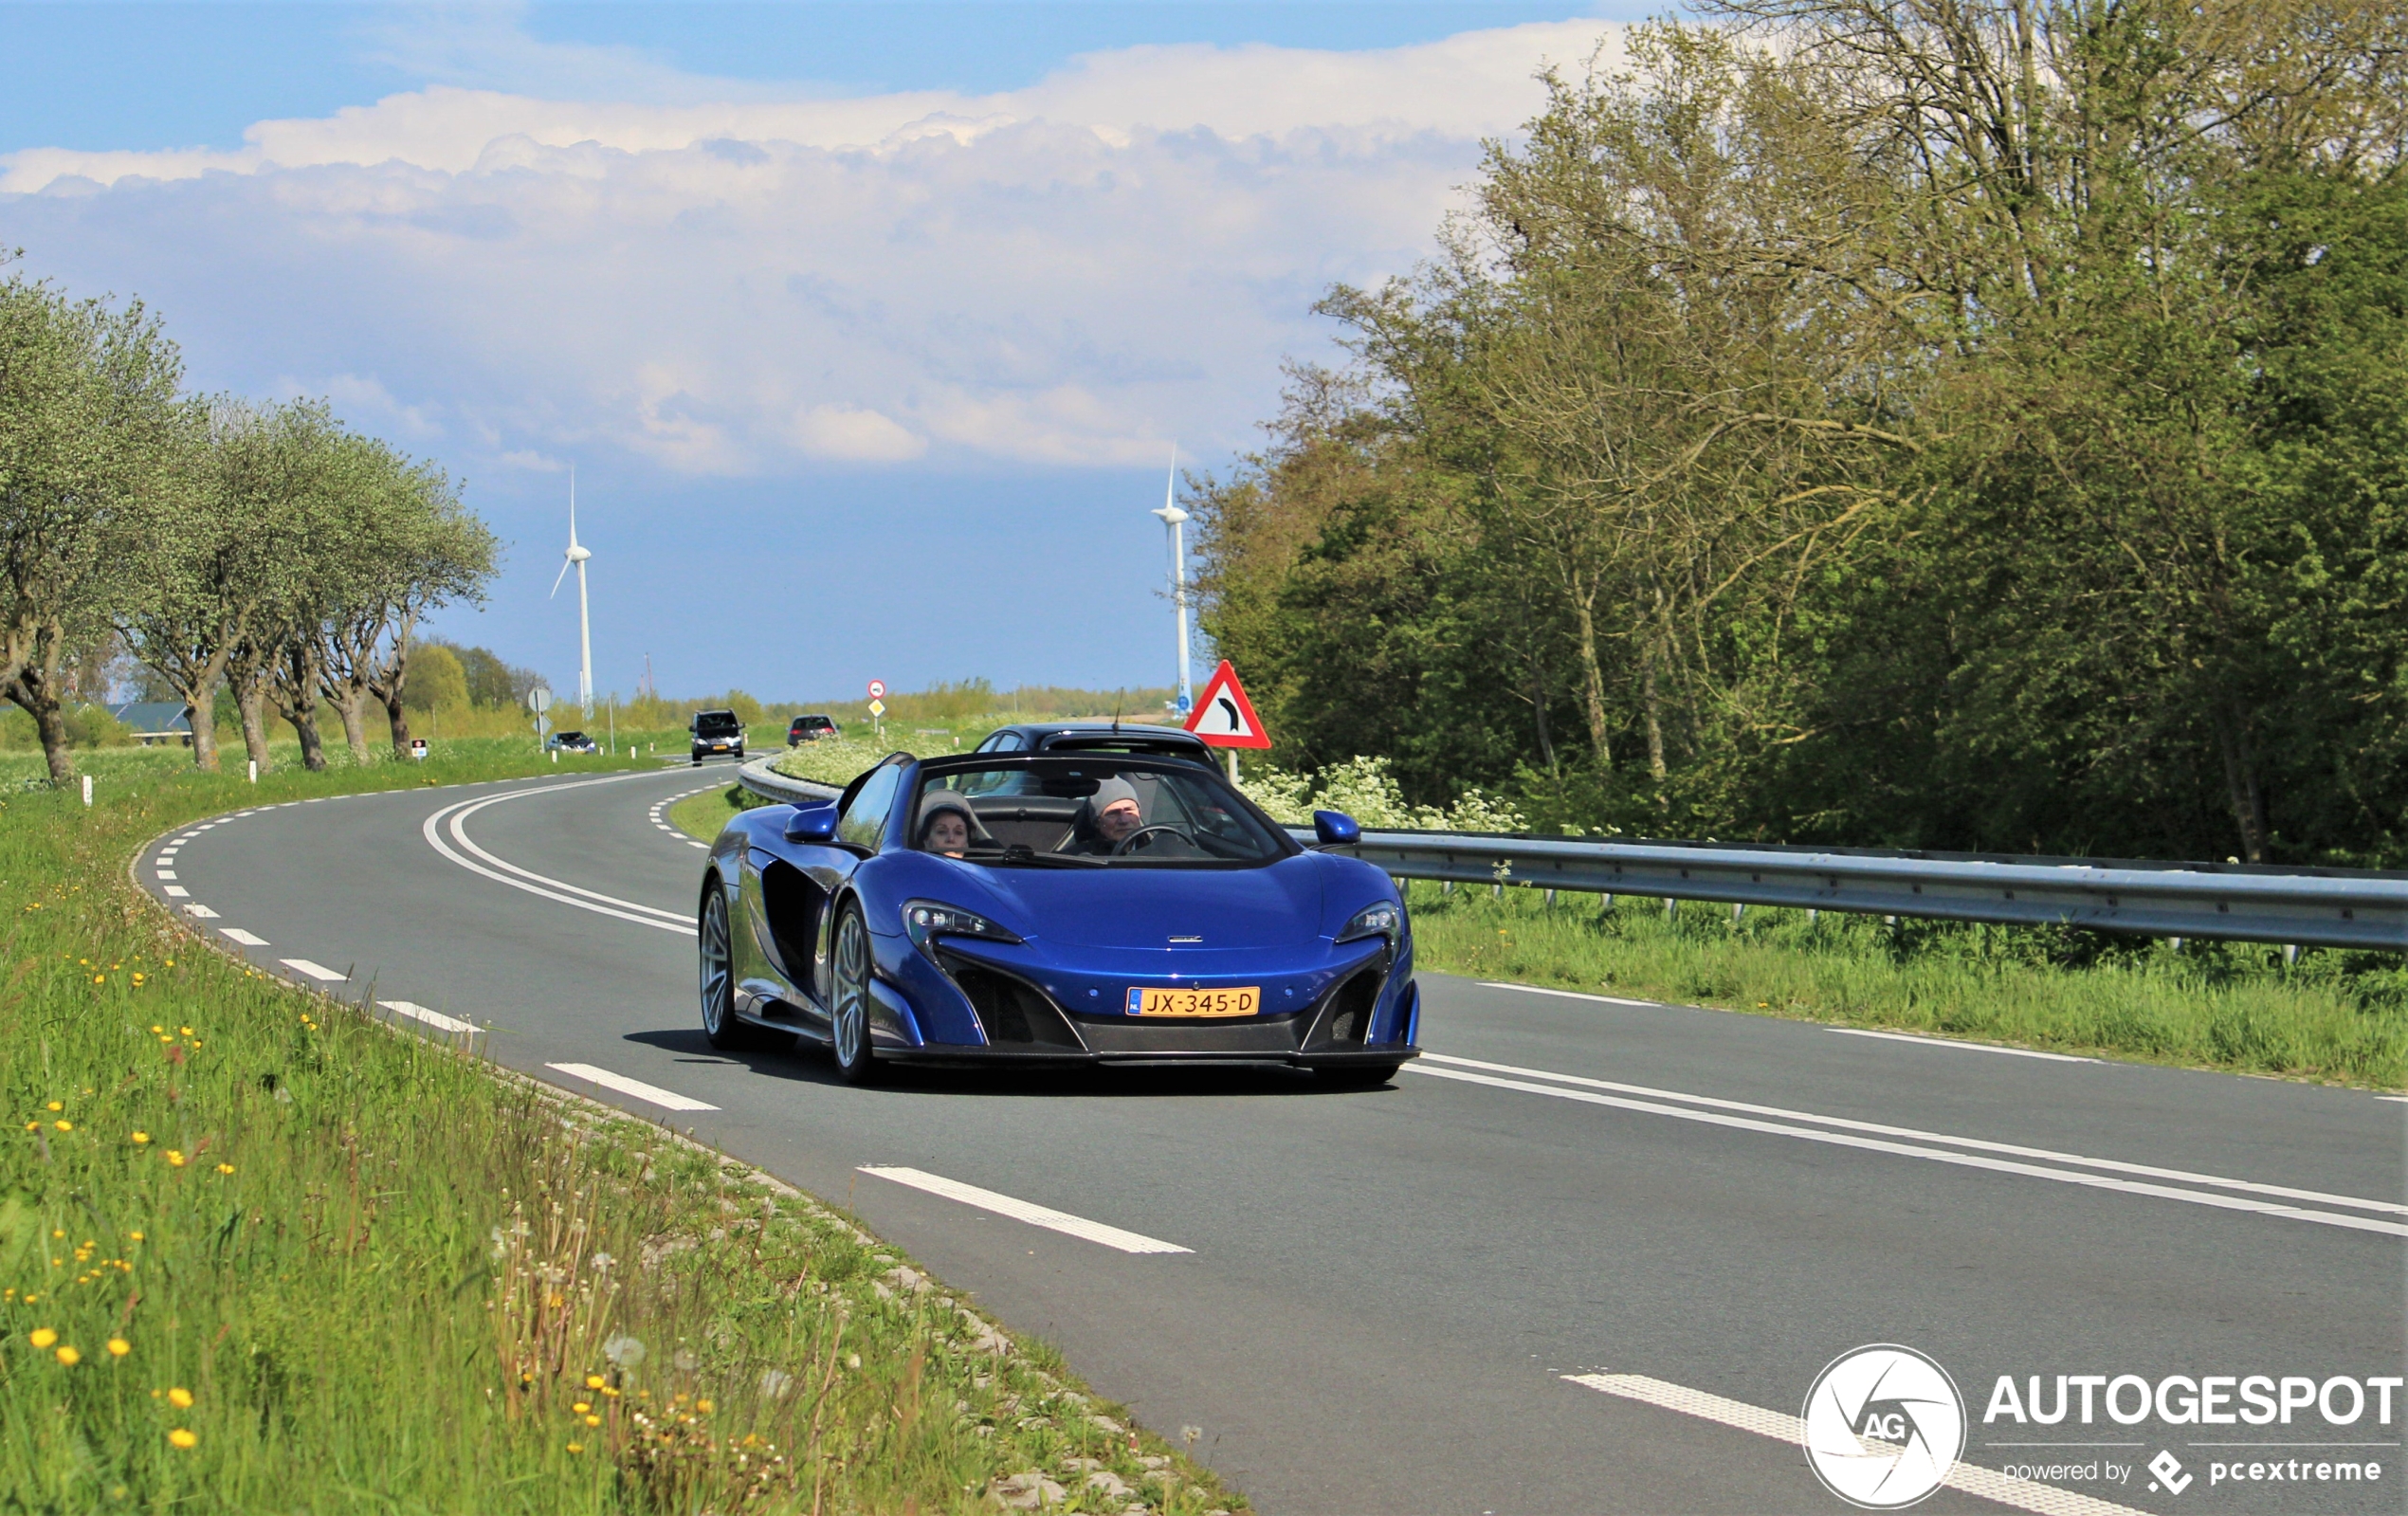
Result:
{"points": [[1968, 1046], [167, 873], [238, 935], [2023, 1494], [666, 1098], [433, 1018], [1464, 1071], [1036, 1216], [176, 892], [315, 971], [201, 911]]}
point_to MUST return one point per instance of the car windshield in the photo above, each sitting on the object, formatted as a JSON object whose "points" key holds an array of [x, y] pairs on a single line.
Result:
{"points": [[571, 736], [1089, 811], [714, 724]]}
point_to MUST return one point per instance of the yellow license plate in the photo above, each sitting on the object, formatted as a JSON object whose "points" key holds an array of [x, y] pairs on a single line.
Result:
{"points": [[1243, 1001]]}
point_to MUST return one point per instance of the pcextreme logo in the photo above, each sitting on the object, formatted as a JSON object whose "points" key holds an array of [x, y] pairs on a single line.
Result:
{"points": [[1883, 1426]]}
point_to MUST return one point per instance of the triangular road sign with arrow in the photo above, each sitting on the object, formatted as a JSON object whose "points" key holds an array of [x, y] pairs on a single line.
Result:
{"points": [[1222, 716]]}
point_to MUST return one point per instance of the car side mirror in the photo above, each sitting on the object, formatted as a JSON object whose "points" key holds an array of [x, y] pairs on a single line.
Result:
{"points": [[1336, 828], [811, 823]]}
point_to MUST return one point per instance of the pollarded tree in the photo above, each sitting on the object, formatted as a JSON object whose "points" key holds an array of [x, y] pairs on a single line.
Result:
{"points": [[89, 424]]}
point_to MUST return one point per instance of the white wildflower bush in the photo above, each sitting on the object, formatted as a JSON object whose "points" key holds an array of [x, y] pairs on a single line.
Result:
{"points": [[1363, 788]]}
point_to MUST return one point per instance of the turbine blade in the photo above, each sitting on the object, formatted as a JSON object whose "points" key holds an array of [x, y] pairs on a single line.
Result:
{"points": [[558, 577]]}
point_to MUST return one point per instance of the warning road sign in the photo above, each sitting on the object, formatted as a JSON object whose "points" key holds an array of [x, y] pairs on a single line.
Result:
{"points": [[1222, 716]]}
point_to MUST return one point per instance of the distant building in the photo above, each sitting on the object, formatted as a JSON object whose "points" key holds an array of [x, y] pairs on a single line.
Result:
{"points": [[155, 720]]}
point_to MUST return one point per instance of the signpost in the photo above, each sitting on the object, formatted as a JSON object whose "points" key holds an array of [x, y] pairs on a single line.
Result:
{"points": [[540, 700], [877, 708], [418, 748], [1224, 718]]}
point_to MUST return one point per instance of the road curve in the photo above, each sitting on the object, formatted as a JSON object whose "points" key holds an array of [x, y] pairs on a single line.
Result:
{"points": [[1566, 1263]]}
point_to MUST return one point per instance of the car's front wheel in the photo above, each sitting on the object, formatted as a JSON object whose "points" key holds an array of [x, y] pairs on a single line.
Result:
{"points": [[719, 975], [849, 1017]]}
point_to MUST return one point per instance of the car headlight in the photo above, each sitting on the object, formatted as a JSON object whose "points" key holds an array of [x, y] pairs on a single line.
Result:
{"points": [[1386, 919], [926, 920]]}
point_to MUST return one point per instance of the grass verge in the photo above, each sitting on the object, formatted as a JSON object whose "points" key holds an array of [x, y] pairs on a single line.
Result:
{"points": [[259, 1254], [2335, 1016]]}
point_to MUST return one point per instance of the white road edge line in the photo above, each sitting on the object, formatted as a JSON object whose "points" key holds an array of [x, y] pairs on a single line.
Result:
{"points": [[2023, 1494], [433, 1018], [1036, 1216], [1971, 1160], [1574, 994], [668, 1098], [1965, 1047], [315, 971], [535, 884], [238, 935], [1980, 1144]]}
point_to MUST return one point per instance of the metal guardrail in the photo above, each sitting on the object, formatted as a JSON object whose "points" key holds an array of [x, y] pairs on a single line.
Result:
{"points": [[2321, 908], [765, 781], [2325, 908]]}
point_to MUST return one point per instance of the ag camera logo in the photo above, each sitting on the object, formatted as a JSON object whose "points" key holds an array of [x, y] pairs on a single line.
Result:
{"points": [[1883, 1426]]}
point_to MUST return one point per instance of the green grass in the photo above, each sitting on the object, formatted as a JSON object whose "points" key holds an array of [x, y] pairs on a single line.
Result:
{"points": [[365, 1271], [2335, 1016]]}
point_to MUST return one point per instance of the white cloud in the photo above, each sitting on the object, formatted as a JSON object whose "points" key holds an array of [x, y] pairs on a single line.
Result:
{"points": [[1069, 274]]}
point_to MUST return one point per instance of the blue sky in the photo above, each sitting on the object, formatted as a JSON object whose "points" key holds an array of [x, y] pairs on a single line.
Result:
{"points": [[869, 328]]}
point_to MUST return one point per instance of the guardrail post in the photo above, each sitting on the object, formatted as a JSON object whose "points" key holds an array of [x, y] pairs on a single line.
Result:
{"points": [[1607, 908], [1736, 908], [2291, 954], [1550, 897], [1671, 907], [1811, 914]]}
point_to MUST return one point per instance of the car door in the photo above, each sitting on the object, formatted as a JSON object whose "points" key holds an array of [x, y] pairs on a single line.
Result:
{"points": [[789, 889]]}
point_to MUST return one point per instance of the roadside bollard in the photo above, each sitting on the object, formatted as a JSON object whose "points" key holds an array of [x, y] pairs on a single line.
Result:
{"points": [[87, 789], [254, 767]]}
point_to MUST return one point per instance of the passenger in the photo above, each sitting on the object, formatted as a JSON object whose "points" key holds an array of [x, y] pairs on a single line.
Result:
{"points": [[1106, 820], [947, 825]]}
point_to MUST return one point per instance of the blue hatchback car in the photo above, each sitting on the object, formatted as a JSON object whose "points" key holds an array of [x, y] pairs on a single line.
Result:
{"points": [[1072, 909]]}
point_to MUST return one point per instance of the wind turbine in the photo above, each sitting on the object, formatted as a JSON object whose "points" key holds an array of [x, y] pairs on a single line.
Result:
{"points": [[577, 555], [1174, 518]]}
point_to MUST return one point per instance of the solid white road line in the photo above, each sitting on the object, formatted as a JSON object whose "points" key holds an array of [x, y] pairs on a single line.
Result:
{"points": [[637, 1087], [1573, 994], [238, 935], [2023, 1494], [1971, 1160], [1966, 1046], [315, 971], [2051, 1155], [502, 869], [433, 1018], [1036, 1216]]}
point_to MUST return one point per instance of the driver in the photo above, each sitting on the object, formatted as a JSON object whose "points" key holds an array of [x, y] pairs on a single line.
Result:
{"points": [[946, 823], [1111, 815]]}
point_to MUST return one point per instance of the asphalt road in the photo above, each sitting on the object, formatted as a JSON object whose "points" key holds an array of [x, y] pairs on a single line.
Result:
{"points": [[1387, 1292]]}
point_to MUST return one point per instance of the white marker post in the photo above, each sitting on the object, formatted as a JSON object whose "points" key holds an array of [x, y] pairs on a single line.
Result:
{"points": [[254, 768], [87, 789]]}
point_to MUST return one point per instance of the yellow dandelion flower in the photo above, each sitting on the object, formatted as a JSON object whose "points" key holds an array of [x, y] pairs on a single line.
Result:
{"points": [[186, 1030], [33, 1126], [174, 1158], [136, 1235], [582, 1407], [704, 1406], [226, 1168], [180, 1397], [576, 1447], [63, 1126], [170, 962], [118, 1348], [593, 1421], [593, 1381], [184, 1438], [55, 1105], [158, 1028], [68, 1356], [100, 979], [139, 1138], [44, 1337]]}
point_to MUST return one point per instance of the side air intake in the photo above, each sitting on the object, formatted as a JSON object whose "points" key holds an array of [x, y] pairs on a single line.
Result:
{"points": [[1345, 1018], [1011, 1010]]}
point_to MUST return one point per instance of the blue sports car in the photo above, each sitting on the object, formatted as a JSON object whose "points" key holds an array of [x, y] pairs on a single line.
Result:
{"points": [[1074, 908]]}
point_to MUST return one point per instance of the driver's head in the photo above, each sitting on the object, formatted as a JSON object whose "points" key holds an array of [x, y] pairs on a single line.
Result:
{"points": [[1114, 805]]}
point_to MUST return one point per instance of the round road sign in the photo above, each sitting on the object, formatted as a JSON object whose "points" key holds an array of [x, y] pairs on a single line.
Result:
{"points": [[877, 689], [540, 700]]}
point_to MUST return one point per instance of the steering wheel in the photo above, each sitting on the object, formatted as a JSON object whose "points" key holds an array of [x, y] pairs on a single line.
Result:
{"points": [[1130, 841]]}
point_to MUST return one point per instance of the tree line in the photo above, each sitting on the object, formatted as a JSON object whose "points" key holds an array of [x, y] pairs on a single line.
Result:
{"points": [[264, 549], [1974, 424]]}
